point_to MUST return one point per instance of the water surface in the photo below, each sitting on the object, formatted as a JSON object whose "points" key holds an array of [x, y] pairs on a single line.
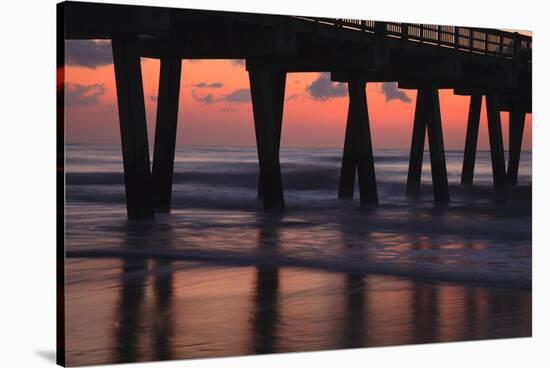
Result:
{"points": [[219, 277]]}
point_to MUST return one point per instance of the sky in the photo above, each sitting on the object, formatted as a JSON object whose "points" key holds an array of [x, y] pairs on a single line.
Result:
{"points": [[215, 107]]}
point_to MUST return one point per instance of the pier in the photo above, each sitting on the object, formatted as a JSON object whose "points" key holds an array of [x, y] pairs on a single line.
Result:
{"points": [[484, 64]]}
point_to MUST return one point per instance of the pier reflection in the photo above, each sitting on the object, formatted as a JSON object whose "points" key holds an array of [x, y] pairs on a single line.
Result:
{"points": [[354, 320], [425, 308], [129, 310], [425, 313], [283, 309], [134, 319], [266, 289], [355, 312], [164, 314]]}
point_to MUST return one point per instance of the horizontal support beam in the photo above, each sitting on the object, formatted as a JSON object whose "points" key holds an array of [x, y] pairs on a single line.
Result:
{"points": [[505, 102]]}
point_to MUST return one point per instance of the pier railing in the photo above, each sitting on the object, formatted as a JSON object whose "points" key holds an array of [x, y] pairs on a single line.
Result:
{"points": [[490, 42]]}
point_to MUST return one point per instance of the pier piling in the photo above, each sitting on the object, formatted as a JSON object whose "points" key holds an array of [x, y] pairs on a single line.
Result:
{"points": [[133, 128], [358, 148], [349, 166], [437, 150], [495, 141], [362, 147], [267, 87], [417, 147], [470, 148], [165, 133], [428, 118], [517, 124]]}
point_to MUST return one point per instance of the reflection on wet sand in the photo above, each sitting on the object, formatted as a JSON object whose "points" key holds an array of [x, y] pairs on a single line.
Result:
{"points": [[425, 306], [133, 280], [129, 310], [175, 310], [266, 292], [355, 331], [425, 312], [164, 314]]}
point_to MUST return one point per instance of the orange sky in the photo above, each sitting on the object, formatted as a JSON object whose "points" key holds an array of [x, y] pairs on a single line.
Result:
{"points": [[306, 121]]}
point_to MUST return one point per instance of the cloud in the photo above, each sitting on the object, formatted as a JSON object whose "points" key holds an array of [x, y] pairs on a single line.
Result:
{"points": [[323, 88], [293, 97], [83, 95], [239, 95], [391, 92], [88, 53], [154, 95], [205, 99], [208, 85]]}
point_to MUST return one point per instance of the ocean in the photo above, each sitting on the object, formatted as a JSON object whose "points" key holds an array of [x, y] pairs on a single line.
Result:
{"points": [[219, 277]]}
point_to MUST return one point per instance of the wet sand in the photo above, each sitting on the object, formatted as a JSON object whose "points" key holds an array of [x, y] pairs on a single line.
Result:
{"points": [[147, 310]]}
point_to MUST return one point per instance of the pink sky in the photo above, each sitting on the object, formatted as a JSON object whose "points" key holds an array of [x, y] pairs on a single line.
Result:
{"points": [[211, 111]]}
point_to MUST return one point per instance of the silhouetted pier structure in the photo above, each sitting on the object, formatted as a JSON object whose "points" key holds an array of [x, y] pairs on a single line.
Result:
{"points": [[471, 61]]}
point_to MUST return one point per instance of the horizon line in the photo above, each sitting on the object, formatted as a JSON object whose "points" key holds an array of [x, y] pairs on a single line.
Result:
{"points": [[282, 146]]}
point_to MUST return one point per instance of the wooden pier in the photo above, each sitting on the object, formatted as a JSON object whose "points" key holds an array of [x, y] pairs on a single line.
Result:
{"points": [[480, 63]]}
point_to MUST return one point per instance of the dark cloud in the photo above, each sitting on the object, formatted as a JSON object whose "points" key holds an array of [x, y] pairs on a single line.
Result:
{"points": [[83, 95], [153, 96], [88, 53], [239, 95], [323, 88], [208, 85], [205, 99], [391, 92]]}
